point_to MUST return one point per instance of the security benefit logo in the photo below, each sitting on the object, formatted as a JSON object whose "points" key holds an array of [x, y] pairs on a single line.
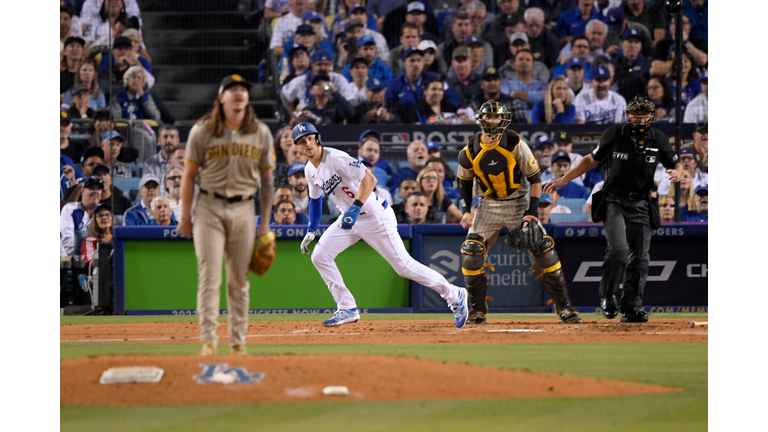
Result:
{"points": [[221, 373]]}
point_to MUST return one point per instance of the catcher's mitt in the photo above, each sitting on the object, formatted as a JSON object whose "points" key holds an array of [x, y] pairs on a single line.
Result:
{"points": [[526, 238], [264, 251]]}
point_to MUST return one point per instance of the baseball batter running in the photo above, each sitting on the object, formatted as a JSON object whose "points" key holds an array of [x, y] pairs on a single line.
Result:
{"points": [[364, 216], [233, 153], [503, 165]]}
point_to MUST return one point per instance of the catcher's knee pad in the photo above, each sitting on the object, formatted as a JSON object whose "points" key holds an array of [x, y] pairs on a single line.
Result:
{"points": [[472, 266], [473, 249], [553, 279]]}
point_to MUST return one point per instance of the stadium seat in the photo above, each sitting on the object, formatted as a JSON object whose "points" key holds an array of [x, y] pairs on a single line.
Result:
{"points": [[568, 217], [126, 183], [575, 204]]}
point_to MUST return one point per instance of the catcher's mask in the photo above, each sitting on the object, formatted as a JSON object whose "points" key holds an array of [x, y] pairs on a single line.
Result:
{"points": [[493, 119], [640, 113]]}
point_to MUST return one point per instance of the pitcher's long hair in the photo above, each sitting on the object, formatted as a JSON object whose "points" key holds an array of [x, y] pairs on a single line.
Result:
{"points": [[214, 120]]}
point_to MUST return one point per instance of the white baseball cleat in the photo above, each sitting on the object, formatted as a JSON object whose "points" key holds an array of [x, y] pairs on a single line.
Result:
{"points": [[343, 316]]}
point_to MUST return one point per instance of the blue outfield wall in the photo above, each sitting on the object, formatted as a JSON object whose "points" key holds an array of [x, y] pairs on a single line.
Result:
{"points": [[677, 281]]}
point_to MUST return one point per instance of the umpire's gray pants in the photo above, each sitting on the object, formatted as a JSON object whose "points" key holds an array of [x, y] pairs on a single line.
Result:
{"points": [[628, 233]]}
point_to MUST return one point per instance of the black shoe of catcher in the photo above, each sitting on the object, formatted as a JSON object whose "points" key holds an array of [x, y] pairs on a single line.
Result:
{"points": [[609, 306], [476, 318], [636, 316]]}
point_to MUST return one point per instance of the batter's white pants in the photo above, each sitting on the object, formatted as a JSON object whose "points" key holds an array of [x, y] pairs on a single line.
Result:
{"points": [[378, 228]]}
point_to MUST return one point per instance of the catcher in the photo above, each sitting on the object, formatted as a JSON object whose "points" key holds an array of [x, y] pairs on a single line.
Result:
{"points": [[500, 161], [232, 155]]}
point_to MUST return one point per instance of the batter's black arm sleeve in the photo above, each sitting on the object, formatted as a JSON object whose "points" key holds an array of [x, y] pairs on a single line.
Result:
{"points": [[465, 195]]}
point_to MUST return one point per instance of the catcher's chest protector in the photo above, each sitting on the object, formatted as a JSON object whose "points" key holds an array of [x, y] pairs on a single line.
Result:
{"points": [[494, 164]]}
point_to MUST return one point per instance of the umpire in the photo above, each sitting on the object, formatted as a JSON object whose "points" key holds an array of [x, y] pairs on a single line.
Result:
{"points": [[627, 155]]}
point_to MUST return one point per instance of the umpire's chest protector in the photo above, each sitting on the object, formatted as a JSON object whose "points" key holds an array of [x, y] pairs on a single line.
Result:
{"points": [[494, 165]]}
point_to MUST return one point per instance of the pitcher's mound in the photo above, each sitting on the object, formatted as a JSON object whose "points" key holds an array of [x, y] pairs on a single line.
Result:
{"points": [[295, 378]]}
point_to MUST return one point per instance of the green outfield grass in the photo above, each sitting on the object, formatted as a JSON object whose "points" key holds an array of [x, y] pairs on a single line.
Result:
{"points": [[675, 365]]}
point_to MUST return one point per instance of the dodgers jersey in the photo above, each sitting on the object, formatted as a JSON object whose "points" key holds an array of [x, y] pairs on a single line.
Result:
{"points": [[339, 176]]}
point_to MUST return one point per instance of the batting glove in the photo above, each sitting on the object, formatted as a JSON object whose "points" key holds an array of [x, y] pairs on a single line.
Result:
{"points": [[350, 217], [307, 240]]}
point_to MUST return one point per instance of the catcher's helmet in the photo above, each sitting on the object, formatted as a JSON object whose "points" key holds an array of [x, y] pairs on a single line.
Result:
{"points": [[493, 130], [640, 104], [305, 128]]}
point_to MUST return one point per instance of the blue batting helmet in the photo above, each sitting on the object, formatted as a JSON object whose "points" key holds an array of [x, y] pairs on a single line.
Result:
{"points": [[305, 128]]}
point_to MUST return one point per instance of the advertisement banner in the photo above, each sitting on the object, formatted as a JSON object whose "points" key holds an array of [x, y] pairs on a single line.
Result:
{"points": [[161, 275], [511, 284], [677, 274]]}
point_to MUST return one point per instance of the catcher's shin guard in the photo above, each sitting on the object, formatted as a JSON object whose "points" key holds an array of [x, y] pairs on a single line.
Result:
{"points": [[546, 258], [473, 249]]}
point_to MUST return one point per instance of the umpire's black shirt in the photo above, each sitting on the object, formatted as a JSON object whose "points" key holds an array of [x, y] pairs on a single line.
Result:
{"points": [[627, 166]]}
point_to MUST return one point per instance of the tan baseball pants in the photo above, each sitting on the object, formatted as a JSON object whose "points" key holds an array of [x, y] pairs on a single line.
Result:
{"points": [[223, 230]]}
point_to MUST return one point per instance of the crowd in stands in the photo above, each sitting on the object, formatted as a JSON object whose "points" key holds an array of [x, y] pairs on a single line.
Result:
{"points": [[381, 62], [564, 62]]}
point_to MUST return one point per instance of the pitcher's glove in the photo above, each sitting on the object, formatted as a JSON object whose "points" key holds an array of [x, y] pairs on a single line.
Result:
{"points": [[527, 236], [264, 252]]}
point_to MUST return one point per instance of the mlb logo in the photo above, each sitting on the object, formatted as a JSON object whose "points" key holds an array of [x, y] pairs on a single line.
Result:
{"points": [[396, 138], [650, 159]]}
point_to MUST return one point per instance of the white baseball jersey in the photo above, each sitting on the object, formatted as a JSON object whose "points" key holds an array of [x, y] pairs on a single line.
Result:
{"points": [[595, 111], [339, 176], [298, 88]]}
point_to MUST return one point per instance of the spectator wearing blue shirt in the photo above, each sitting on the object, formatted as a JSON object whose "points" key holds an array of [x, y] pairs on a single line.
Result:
{"points": [[573, 22], [162, 214], [407, 88], [691, 84], [366, 47], [698, 12], [141, 213], [557, 105], [417, 155], [438, 163], [579, 49], [370, 151], [349, 7], [561, 164], [285, 213], [378, 162], [522, 85], [134, 101], [701, 213], [306, 36]]}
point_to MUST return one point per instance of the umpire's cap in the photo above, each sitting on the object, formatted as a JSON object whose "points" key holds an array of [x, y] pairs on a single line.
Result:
{"points": [[305, 128], [231, 80]]}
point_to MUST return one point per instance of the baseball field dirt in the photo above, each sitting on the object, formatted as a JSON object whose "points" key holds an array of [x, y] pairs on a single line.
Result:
{"points": [[297, 378]]}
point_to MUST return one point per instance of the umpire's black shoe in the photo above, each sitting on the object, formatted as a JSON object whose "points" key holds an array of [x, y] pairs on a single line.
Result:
{"points": [[636, 316], [609, 306]]}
